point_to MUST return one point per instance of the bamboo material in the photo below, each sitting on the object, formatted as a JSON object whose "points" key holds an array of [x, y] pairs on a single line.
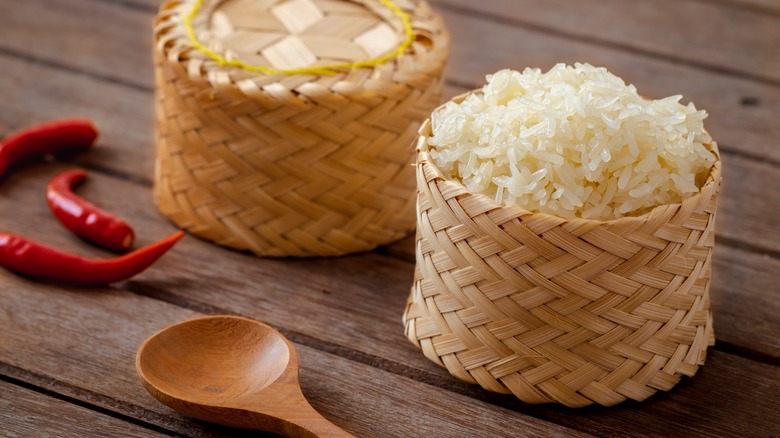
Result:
{"points": [[293, 164], [552, 310]]}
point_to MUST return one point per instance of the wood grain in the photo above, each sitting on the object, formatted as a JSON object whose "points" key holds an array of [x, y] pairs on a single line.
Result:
{"points": [[92, 335], [124, 116], [749, 129], [91, 58], [125, 119], [358, 298], [123, 144], [99, 37], [365, 400], [766, 7], [24, 413], [125, 57], [338, 290], [717, 37]]}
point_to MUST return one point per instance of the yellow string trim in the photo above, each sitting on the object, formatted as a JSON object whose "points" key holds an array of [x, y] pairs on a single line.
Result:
{"points": [[325, 70]]}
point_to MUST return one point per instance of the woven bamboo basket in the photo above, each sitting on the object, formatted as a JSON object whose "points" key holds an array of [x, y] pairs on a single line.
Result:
{"points": [[551, 310], [286, 127]]}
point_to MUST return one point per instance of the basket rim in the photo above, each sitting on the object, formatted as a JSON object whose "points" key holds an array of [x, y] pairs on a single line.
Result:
{"points": [[173, 42], [424, 159]]}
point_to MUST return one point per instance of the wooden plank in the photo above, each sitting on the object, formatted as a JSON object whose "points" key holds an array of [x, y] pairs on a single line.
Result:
{"points": [[126, 144], [744, 299], [748, 129], [102, 38], [86, 339], [44, 327], [34, 92], [749, 200], [735, 40], [729, 398], [122, 52], [109, 319], [124, 115], [344, 287], [24, 413], [343, 290], [124, 149], [736, 272], [767, 7]]}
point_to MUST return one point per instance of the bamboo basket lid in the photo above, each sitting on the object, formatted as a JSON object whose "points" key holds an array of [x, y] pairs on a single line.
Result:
{"points": [[284, 127], [292, 42]]}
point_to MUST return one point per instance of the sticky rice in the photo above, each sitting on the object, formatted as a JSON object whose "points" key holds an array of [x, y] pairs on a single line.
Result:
{"points": [[572, 142]]}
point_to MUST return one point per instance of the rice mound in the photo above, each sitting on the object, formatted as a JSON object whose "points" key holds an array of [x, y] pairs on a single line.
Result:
{"points": [[572, 142]]}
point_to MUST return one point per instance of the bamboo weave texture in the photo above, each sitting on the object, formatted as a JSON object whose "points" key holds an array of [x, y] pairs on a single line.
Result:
{"points": [[574, 312], [293, 165]]}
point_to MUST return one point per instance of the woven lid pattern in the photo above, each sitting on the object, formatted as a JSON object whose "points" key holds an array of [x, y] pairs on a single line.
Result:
{"points": [[293, 164], [299, 33], [552, 310]]}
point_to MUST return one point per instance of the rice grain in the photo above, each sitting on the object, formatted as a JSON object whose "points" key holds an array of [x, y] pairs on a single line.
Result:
{"points": [[575, 141]]}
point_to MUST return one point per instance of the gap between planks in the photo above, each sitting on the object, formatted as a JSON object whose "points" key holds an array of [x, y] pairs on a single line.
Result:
{"points": [[728, 150], [728, 242], [138, 415], [606, 43], [105, 404], [146, 182], [90, 398], [11, 53], [725, 150], [613, 45], [370, 359], [556, 413], [77, 396], [752, 6], [146, 89]]}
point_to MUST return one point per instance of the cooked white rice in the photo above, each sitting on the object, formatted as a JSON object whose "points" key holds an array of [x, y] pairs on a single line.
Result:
{"points": [[573, 142]]}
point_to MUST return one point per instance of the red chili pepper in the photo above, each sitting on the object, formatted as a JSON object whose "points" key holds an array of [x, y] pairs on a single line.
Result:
{"points": [[83, 218], [34, 259], [51, 138]]}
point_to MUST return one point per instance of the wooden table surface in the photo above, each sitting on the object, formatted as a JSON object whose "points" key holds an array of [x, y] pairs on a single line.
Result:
{"points": [[67, 353]]}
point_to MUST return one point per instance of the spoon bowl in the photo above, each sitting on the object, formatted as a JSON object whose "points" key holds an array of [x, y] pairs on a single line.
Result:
{"points": [[232, 371]]}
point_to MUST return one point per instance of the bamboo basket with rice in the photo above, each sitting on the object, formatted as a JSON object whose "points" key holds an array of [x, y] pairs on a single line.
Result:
{"points": [[565, 228], [284, 126]]}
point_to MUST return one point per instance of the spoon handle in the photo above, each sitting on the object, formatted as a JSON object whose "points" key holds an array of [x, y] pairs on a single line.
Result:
{"points": [[295, 416], [310, 424]]}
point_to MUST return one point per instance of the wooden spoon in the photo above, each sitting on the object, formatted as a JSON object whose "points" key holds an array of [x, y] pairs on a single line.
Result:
{"points": [[232, 371]]}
